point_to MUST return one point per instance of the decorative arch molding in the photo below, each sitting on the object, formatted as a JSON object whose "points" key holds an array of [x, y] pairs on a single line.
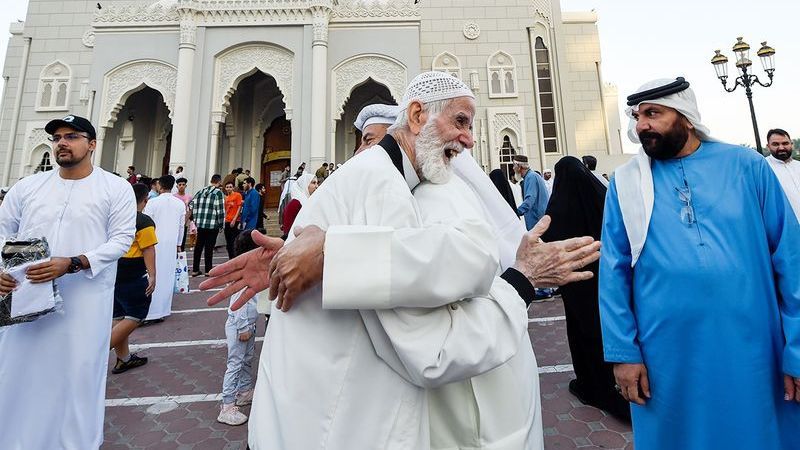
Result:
{"points": [[448, 63], [237, 63], [55, 84], [509, 120], [543, 9], [131, 77], [358, 69]]}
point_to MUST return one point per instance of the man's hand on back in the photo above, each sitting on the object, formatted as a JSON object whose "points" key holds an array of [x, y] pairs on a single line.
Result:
{"points": [[554, 264], [297, 267]]}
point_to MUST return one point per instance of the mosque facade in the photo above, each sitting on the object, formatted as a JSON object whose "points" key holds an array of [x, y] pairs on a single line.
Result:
{"points": [[211, 85]]}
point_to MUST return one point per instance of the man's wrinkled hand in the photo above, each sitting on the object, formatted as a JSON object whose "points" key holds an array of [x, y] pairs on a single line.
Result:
{"points": [[554, 264], [248, 271], [297, 267], [48, 270], [791, 388], [633, 383], [7, 284]]}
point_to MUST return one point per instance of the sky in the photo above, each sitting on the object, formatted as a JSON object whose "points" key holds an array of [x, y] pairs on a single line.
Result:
{"points": [[643, 40]]}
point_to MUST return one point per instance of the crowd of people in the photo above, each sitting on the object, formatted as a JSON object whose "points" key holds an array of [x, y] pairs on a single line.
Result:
{"points": [[402, 281]]}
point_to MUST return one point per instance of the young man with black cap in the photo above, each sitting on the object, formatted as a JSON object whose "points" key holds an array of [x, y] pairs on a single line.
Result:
{"points": [[53, 370]]}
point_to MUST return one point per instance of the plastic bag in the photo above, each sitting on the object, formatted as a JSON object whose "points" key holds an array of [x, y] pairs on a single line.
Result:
{"points": [[28, 301], [181, 274]]}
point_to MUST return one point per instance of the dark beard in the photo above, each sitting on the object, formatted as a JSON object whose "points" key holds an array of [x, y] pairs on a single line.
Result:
{"points": [[664, 146], [783, 155], [68, 164]]}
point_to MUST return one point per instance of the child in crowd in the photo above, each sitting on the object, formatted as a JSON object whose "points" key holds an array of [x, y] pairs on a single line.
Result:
{"points": [[240, 332]]}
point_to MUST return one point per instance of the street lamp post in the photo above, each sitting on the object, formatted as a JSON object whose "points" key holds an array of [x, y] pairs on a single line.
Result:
{"points": [[747, 80]]}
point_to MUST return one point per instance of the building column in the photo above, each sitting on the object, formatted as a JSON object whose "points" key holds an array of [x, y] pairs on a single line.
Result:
{"points": [[181, 124], [12, 135], [213, 150], [319, 85]]}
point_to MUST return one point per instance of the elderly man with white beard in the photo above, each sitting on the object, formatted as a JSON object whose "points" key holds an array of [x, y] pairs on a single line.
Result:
{"points": [[321, 384]]}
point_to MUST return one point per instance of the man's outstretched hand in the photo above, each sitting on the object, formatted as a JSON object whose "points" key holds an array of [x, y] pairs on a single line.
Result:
{"points": [[297, 267], [249, 271], [554, 264]]}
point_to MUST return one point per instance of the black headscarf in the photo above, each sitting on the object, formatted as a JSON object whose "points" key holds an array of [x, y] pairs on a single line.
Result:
{"points": [[502, 185], [576, 204]]}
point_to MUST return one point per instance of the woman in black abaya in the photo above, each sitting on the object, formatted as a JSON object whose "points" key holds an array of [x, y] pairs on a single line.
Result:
{"points": [[576, 209]]}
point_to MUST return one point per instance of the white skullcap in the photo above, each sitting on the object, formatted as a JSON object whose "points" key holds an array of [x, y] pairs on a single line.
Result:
{"points": [[376, 113], [684, 102], [433, 86], [548, 171]]}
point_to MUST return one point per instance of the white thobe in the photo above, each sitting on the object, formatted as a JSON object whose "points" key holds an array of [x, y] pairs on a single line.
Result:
{"points": [[788, 174], [53, 370], [169, 214], [320, 383], [549, 185], [436, 348], [600, 178]]}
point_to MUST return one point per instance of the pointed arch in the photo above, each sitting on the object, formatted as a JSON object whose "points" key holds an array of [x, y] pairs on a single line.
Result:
{"points": [[236, 63], [126, 79], [448, 63], [501, 70], [359, 69], [54, 86]]}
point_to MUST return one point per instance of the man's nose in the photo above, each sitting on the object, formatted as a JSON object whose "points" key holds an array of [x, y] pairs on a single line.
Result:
{"points": [[467, 140], [642, 125]]}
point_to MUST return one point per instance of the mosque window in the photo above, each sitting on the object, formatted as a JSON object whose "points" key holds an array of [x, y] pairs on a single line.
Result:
{"points": [[45, 164], [506, 157], [448, 63], [547, 107], [502, 72], [54, 84]]}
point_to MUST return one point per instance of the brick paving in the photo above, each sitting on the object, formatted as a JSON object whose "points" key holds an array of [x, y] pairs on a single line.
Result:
{"points": [[198, 369]]}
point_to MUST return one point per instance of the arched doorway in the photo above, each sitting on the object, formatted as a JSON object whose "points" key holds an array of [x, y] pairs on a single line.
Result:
{"points": [[140, 136], [276, 155], [348, 138], [256, 106], [507, 153]]}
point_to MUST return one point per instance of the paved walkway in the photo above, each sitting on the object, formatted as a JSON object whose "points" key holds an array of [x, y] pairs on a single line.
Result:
{"points": [[173, 402]]}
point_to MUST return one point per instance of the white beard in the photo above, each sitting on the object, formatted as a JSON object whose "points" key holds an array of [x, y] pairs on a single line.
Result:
{"points": [[430, 154]]}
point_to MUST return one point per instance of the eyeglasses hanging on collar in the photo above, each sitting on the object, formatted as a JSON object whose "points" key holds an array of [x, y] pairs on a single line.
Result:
{"points": [[687, 211]]}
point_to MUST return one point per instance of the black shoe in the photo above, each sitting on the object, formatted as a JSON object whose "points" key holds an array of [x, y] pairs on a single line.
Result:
{"points": [[132, 362], [151, 322], [196, 274]]}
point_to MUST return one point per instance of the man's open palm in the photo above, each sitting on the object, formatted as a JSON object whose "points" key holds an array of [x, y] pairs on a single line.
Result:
{"points": [[249, 271]]}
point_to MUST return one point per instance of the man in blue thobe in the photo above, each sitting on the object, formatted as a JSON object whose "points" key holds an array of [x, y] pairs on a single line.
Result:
{"points": [[251, 205], [699, 292], [534, 192]]}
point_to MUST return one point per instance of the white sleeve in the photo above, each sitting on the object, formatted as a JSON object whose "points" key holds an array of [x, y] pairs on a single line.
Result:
{"points": [[430, 347], [10, 213], [454, 256], [120, 231]]}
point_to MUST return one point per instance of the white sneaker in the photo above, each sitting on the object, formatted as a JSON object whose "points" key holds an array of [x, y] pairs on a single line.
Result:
{"points": [[230, 415], [244, 398]]}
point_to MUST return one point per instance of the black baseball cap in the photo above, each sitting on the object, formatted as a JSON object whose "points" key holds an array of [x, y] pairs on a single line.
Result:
{"points": [[77, 123]]}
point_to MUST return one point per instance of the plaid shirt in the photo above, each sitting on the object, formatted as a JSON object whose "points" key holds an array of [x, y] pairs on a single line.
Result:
{"points": [[208, 208]]}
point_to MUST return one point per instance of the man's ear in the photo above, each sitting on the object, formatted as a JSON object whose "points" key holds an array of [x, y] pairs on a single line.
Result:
{"points": [[416, 117]]}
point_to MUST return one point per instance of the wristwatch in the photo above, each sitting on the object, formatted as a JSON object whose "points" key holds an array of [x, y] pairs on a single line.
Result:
{"points": [[75, 265]]}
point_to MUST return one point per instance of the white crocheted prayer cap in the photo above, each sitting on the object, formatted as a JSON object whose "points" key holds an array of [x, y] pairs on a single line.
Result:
{"points": [[433, 86], [376, 113]]}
